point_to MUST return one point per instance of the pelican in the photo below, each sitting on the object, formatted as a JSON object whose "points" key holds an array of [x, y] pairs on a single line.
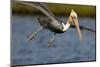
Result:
{"points": [[55, 25]]}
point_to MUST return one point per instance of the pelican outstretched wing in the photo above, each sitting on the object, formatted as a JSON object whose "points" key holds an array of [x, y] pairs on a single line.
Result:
{"points": [[40, 6]]}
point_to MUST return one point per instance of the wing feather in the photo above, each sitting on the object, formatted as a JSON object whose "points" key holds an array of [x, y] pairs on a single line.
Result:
{"points": [[40, 6]]}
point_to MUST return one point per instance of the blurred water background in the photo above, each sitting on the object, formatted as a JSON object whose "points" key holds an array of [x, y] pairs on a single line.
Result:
{"points": [[67, 46]]}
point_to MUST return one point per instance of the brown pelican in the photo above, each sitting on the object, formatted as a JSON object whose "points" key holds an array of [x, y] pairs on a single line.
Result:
{"points": [[54, 25]]}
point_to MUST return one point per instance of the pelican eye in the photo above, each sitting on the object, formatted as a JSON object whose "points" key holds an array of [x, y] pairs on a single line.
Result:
{"points": [[74, 17]]}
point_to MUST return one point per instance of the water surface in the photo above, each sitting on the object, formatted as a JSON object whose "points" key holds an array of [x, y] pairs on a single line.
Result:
{"points": [[67, 47]]}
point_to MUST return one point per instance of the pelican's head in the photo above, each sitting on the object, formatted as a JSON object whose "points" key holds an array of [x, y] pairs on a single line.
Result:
{"points": [[72, 19]]}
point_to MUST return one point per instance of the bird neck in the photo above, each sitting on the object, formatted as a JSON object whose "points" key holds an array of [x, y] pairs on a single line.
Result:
{"points": [[68, 23], [66, 26]]}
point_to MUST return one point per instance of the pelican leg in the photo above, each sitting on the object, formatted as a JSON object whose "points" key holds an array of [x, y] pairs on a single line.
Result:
{"points": [[51, 40], [34, 34]]}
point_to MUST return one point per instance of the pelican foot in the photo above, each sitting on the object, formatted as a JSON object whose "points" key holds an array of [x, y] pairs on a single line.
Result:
{"points": [[51, 41]]}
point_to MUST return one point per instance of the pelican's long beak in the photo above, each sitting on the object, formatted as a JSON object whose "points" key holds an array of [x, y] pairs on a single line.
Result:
{"points": [[77, 27]]}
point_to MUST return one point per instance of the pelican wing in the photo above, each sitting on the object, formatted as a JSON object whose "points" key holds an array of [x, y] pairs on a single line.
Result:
{"points": [[40, 6]]}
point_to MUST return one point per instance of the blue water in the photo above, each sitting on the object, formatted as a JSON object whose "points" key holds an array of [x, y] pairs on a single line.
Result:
{"points": [[67, 46]]}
